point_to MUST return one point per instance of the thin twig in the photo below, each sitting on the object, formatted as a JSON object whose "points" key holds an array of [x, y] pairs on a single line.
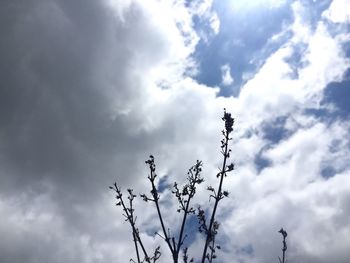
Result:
{"points": [[155, 199], [129, 214]]}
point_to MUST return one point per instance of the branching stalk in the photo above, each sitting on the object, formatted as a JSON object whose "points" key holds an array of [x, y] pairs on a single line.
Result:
{"points": [[155, 199], [184, 198], [219, 194], [129, 214], [193, 180]]}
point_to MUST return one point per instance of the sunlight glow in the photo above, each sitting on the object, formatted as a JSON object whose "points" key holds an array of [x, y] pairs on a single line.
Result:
{"points": [[253, 4]]}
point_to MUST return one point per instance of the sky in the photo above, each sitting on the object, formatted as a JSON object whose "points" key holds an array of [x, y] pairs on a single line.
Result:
{"points": [[89, 89]]}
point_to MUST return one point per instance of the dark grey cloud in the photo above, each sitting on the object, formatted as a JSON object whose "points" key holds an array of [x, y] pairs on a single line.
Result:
{"points": [[72, 121], [66, 71], [57, 115]]}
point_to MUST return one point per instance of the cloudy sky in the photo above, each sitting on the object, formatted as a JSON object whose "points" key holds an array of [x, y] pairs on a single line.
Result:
{"points": [[90, 88]]}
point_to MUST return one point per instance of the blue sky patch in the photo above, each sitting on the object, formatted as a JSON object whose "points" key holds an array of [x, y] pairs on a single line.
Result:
{"points": [[163, 183], [338, 93], [260, 162], [237, 46], [328, 172], [274, 131]]}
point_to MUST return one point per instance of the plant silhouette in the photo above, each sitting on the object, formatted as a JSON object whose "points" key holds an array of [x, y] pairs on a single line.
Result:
{"points": [[208, 225], [284, 247], [184, 196]]}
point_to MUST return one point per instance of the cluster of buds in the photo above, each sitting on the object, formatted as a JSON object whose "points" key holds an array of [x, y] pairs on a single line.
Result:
{"points": [[218, 196], [284, 248], [151, 164], [189, 189], [213, 247], [229, 121], [202, 221], [284, 234]]}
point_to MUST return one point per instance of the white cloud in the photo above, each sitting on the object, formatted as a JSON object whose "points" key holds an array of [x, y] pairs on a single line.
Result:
{"points": [[202, 10], [226, 77], [274, 90], [215, 23], [338, 12]]}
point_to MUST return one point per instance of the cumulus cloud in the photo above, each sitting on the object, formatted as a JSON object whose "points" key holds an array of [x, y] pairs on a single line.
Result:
{"points": [[90, 89], [338, 11], [207, 20]]}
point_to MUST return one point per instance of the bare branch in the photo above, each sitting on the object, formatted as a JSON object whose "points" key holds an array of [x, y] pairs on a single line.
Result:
{"points": [[129, 214], [155, 195], [184, 196]]}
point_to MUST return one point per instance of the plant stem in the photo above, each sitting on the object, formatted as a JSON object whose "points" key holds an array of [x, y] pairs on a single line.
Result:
{"points": [[130, 218], [186, 211], [217, 198]]}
